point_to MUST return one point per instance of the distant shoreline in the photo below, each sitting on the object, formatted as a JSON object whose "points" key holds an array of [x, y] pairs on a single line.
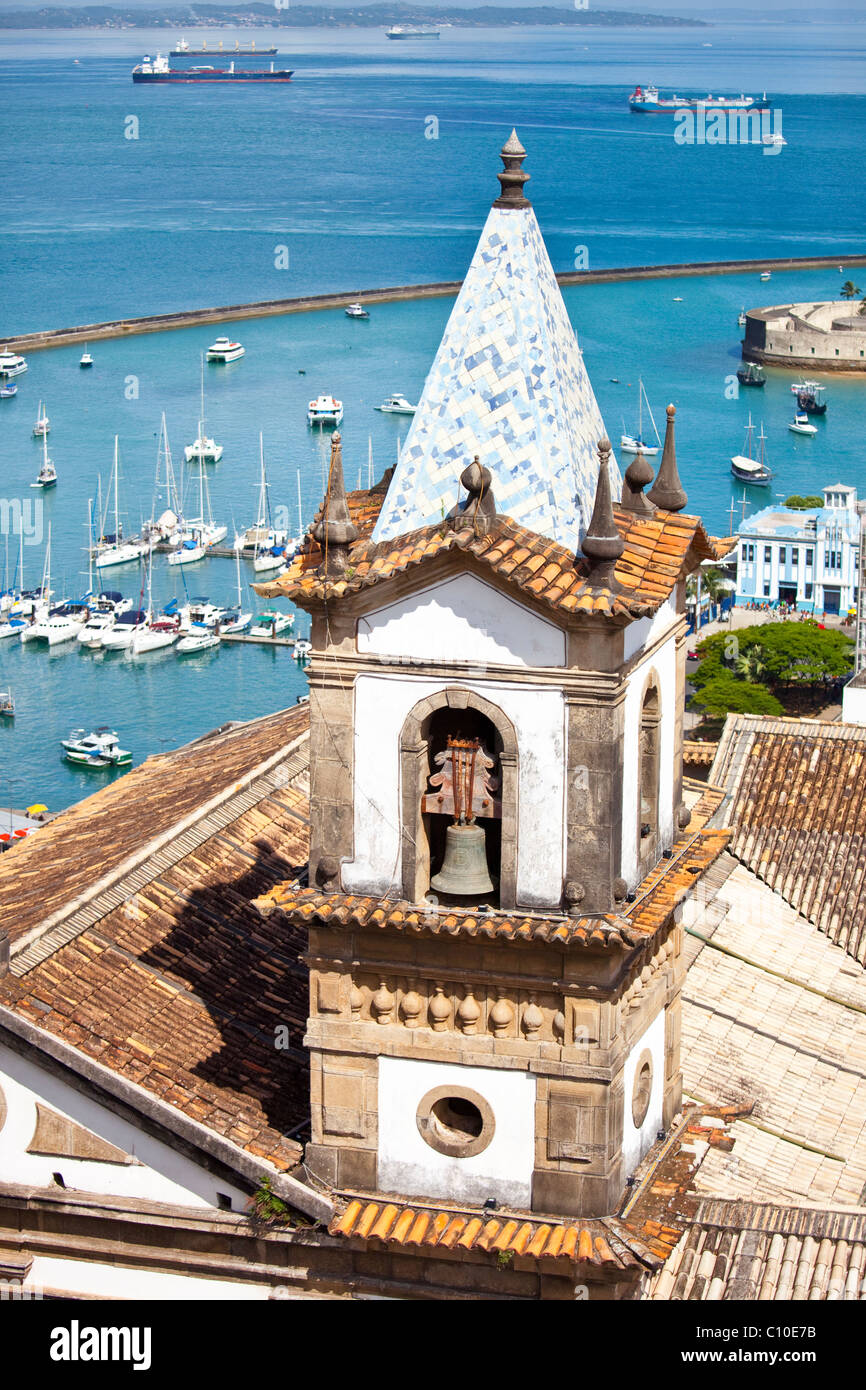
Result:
{"points": [[301, 304], [261, 16]]}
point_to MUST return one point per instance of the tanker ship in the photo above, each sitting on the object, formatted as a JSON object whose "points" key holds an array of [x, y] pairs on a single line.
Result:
{"points": [[183, 50], [648, 99], [158, 70]]}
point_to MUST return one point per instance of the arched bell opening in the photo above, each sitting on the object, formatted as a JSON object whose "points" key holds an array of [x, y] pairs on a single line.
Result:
{"points": [[461, 716], [461, 808], [648, 777]]}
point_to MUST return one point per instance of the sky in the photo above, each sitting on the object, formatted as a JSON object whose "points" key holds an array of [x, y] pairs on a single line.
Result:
{"points": [[712, 11]]}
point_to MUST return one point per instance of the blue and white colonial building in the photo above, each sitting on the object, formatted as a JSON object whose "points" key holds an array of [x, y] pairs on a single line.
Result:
{"points": [[807, 558]]}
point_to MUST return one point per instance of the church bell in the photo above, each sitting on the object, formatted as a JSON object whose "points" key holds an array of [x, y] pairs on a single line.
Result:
{"points": [[464, 871]]}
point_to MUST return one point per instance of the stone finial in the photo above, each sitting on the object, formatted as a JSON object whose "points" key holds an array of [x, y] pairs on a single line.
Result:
{"points": [[512, 177], [667, 491], [479, 509], [335, 531], [328, 874], [602, 545], [638, 475]]}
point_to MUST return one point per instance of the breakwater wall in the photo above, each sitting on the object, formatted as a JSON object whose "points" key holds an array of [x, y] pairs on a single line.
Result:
{"points": [[302, 304]]}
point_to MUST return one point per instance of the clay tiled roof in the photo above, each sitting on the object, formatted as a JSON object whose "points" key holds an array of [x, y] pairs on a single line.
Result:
{"points": [[170, 977], [698, 754], [97, 837], [798, 814], [605, 1244], [662, 890], [658, 550]]}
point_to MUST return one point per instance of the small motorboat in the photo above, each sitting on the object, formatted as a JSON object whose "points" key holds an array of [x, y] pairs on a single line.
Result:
{"points": [[225, 350], [7, 705], [43, 424], [303, 649], [765, 274], [325, 410], [751, 375], [86, 359], [356, 311], [801, 425], [678, 299], [8, 389], [741, 318], [272, 623], [97, 749], [11, 364], [396, 404], [198, 639]]}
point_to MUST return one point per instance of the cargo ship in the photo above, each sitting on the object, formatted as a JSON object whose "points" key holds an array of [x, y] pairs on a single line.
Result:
{"points": [[158, 70], [183, 50], [647, 99], [412, 31]]}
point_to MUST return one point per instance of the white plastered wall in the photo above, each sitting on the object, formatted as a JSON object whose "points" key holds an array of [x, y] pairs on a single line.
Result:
{"points": [[160, 1174], [462, 619], [382, 704], [636, 1142], [664, 665], [407, 1163]]}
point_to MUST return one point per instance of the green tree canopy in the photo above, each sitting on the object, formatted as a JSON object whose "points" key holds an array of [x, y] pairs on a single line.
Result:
{"points": [[786, 654], [726, 695], [850, 290]]}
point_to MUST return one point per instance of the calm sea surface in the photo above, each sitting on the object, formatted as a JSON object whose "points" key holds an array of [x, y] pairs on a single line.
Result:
{"points": [[336, 168]]}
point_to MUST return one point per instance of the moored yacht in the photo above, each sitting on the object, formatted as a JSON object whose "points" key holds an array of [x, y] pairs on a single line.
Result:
{"points": [[224, 350], [43, 424], [746, 467], [325, 410], [126, 625], [11, 364], [97, 749], [396, 404]]}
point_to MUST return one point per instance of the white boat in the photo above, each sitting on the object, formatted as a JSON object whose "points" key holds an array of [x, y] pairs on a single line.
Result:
{"points": [[189, 552], [634, 443], [272, 559], [747, 467], [114, 550], [765, 274], [303, 649], [224, 350], [11, 364], [802, 425], [272, 623], [200, 612], [97, 749], [236, 620], [152, 636], [259, 538], [105, 609], [7, 704], [165, 525], [198, 640], [356, 311], [86, 359], [774, 138], [126, 625], [61, 624], [201, 531], [47, 475], [325, 410], [43, 424], [741, 317], [11, 627], [395, 404], [203, 449]]}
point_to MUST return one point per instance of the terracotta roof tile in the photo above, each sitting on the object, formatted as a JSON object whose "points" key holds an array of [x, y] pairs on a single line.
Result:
{"points": [[589, 1242]]}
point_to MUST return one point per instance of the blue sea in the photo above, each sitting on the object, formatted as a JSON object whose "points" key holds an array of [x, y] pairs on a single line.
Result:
{"points": [[337, 169]]}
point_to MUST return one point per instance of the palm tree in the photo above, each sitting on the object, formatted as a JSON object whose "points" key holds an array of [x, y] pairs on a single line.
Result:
{"points": [[850, 290], [751, 665]]}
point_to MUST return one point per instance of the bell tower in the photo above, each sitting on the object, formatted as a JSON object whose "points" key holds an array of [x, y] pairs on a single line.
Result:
{"points": [[496, 697]]}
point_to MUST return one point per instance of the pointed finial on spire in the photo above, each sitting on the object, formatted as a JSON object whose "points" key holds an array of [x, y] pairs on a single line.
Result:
{"points": [[479, 509], [602, 545], [667, 492], [638, 475], [335, 531], [512, 177]]}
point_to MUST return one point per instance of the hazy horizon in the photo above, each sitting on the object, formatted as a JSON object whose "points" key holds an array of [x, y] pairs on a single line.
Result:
{"points": [[707, 10]]}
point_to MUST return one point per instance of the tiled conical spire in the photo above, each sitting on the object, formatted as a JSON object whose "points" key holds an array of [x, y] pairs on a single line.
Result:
{"points": [[508, 384], [335, 531], [602, 545], [667, 492], [512, 177]]}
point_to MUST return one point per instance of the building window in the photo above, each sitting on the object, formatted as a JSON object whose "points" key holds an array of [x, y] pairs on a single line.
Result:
{"points": [[809, 555], [782, 554], [455, 1121], [808, 591], [766, 588], [642, 1089], [768, 555]]}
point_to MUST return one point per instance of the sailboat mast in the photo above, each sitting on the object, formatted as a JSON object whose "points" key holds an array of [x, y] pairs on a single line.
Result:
{"points": [[116, 514], [300, 510], [90, 544]]}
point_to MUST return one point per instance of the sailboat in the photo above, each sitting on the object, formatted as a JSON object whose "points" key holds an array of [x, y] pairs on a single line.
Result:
{"points": [[204, 449], [237, 621], [166, 524], [634, 444], [43, 424], [201, 531], [47, 475], [270, 552], [113, 549], [156, 631], [747, 467]]}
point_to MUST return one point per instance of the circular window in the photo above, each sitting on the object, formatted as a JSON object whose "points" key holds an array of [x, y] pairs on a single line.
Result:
{"points": [[642, 1089], [455, 1121]]}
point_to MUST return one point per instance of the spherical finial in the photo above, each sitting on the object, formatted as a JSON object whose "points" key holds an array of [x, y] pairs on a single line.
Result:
{"points": [[671, 411], [639, 473], [604, 445]]}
